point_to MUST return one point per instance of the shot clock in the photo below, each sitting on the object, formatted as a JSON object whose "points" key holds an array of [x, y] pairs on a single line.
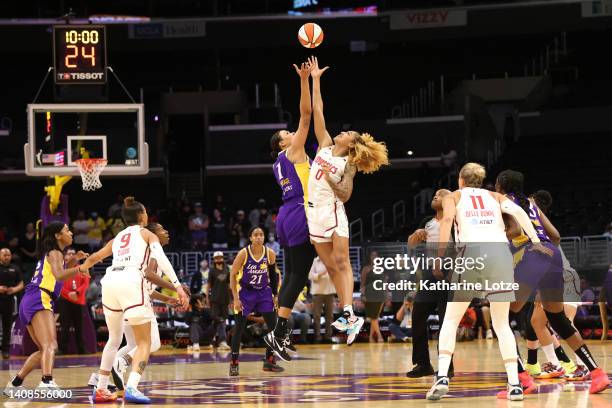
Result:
{"points": [[79, 54]]}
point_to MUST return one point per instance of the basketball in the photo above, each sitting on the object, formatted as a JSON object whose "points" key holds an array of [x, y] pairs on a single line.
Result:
{"points": [[310, 35]]}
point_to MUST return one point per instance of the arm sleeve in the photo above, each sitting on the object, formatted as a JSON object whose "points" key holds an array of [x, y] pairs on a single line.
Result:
{"points": [[273, 279], [157, 253], [508, 207]]}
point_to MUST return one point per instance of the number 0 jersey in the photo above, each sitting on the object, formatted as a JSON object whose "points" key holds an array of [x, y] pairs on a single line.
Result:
{"points": [[319, 191]]}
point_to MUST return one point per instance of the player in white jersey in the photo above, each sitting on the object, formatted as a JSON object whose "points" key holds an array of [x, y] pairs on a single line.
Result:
{"points": [[477, 214], [330, 185], [124, 296]]}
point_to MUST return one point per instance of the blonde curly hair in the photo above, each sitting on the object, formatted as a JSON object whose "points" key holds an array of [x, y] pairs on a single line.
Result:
{"points": [[367, 154]]}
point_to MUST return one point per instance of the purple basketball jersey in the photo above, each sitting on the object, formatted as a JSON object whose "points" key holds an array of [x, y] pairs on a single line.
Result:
{"points": [[254, 274], [291, 177], [534, 216]]}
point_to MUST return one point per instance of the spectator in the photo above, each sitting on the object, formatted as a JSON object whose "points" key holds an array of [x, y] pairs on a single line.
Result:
{"points": [[323, 293], [96, 228], [71, 304], [401, 327], [300, 317], [483, 314], [94, 292], [13, 246], [466, 327], [220, 204], [80, 228], [218, 231], [202, 327], [198, 227], [240, 227], [255, 213], [272, 243], [200, 279], [115, 207], [218, 291], [11, 282], [27, 248], [115, 223], [608, 231], [373, 300]]}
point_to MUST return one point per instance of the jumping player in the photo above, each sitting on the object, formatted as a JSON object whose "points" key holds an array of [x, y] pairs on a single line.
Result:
{"points": [[477, 214], [330, 185], [38, 304], [291, 170], [535, 272], [254, 284], [124, 296]]}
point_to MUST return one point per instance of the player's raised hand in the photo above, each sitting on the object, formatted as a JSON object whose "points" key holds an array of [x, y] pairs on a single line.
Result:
{"points": [[303, 70], [316, 72], [81, 255]]}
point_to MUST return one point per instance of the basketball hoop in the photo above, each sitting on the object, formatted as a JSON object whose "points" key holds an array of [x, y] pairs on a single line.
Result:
{"points": [[90, 170]]}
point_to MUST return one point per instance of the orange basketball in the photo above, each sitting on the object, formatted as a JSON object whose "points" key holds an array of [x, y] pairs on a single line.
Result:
{"points": [[310, 35]]}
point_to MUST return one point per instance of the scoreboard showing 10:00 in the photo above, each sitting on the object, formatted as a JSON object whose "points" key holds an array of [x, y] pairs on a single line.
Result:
{"points": [[79, 54]]}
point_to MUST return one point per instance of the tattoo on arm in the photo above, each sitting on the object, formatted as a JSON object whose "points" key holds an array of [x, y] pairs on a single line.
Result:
{"points": [[344, 188], [141, 367]]}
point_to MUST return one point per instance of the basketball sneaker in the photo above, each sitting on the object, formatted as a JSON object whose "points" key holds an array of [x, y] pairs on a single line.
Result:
{"points": [[10, 389], [569, 367], [341, 324], [355, 324], [118, 370], [51, 385], [579, 374], [234, 368], [270, 365], [549, 370], [277, 345], [489, 334], [223, 346], [135, 396], [533, 369], [529, 387], [103, 395], [599, 381], [514, 392], [438, 389], [289, 344]]}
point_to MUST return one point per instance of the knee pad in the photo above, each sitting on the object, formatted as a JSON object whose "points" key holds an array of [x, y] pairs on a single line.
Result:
{"points": [[561, 324]]}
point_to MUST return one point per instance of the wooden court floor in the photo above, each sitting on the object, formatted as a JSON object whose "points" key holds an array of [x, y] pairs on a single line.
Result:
{"points": [[364, 375]]}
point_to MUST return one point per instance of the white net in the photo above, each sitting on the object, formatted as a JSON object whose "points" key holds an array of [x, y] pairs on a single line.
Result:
{"points": [[90, 170]]}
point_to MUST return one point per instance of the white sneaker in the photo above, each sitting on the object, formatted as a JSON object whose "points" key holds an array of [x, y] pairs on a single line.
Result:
{"points": [[354, 327], [489, 334], [438, 389], [223, 346], [93, 380], [118, 372], [196, 348], [51, 385], [10, 389]]}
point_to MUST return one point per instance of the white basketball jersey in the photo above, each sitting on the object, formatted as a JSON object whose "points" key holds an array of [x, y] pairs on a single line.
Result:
{"points": [[319, 190], [479, 217], [129, 249]]}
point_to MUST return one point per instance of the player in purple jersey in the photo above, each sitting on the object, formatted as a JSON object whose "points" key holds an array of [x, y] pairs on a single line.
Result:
{"points": [[38, 303], [291, 170], [538, 271], [254, 284]]}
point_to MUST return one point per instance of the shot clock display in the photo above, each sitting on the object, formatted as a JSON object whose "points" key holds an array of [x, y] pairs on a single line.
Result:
{"points": [[79, 54]]}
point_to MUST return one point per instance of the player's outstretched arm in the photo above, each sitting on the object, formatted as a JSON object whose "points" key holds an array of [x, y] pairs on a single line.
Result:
{"points": [[301, 134], [56, 259], [105, 252], [321, 132], [155, 279]]}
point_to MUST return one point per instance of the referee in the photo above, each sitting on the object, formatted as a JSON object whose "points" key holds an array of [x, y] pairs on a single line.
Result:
{"points": [[426, 302]]}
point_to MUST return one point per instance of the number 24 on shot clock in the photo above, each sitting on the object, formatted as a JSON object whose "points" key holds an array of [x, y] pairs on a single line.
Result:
{"points": [[79, 54]]}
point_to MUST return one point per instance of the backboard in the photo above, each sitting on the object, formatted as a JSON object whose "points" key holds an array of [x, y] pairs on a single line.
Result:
{"points": [[59, 134]]}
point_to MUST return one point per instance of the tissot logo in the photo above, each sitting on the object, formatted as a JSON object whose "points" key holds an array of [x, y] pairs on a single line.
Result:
{"points": [[80, 76]]}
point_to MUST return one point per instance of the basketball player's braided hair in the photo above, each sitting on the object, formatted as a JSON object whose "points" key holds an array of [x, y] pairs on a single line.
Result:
{"points": [[367, 154], [511, 182]]}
